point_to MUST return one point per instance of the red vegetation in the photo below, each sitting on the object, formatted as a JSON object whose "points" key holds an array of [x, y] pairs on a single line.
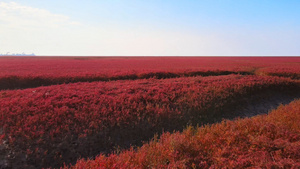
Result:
{"points": [[16, 72], [82, 108], [45, 121], [135, 98], [266, 141], [292, 70]]}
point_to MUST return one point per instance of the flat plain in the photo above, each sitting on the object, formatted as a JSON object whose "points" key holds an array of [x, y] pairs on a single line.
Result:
{"points": [[149, 112]]}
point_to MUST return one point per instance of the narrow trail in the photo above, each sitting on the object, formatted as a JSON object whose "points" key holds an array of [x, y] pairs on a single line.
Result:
{"points": [[250, 106], [14, 82], [255, 104]]}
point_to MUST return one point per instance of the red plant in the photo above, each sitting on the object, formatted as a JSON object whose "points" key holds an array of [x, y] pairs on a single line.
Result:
{"points": [[292, 71], [266, 141], [16, 72], [133, 99], [55, 117]]}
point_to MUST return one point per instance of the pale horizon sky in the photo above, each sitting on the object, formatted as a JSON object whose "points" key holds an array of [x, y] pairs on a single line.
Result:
{"points": [[150, 28]]}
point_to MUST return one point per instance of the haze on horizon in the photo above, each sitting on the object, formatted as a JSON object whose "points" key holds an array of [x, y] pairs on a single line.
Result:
{"points": [[150, 28]]}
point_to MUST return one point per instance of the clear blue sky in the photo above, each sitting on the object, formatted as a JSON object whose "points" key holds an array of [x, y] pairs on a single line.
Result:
{"points": [[156, 27]]}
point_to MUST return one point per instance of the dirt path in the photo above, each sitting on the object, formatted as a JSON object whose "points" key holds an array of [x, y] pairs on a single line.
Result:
{"points": [[248, 106], [261, 103]]}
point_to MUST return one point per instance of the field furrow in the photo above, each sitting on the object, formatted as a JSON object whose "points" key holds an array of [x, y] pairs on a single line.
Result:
{"points": [[31, 72], [58, 124], [265, 141]]}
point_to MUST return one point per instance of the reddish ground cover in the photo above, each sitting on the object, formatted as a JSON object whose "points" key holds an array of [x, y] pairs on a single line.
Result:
{"points": [[266, 141], [291, 70], [133, 99], [16, 72], [63, 122]]}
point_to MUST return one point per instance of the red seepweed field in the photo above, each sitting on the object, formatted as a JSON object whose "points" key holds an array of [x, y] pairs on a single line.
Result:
{"points": [[265, 141], [28, 72], [102, 111]]}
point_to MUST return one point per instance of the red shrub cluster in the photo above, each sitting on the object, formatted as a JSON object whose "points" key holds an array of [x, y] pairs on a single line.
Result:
{"points": [[292, 71], [46, 121], [88, 107], [49, 126], [266, 141], [16, 72]]}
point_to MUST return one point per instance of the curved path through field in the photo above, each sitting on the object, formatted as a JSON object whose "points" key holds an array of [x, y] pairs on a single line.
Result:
{"points": [[252, 105]]}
